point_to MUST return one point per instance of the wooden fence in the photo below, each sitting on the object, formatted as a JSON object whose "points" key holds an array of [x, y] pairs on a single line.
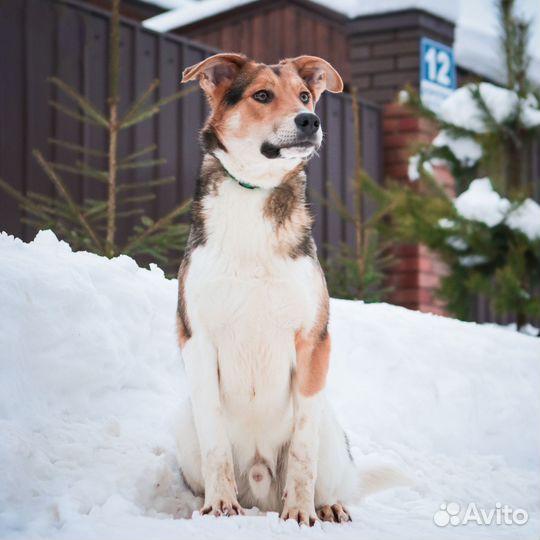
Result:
{"points": [[68, 39]]}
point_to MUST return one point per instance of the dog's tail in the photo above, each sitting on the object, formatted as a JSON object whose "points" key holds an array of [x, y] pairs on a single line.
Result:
{"points": [[375, 478]]}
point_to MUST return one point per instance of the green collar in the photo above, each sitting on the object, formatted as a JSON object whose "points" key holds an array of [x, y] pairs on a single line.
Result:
{"points": [[239, 182]]}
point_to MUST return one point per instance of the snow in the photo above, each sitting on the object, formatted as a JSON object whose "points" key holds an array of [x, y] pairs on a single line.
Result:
{"points": [[501, 102], [480, 202], [413, 170], [526, 218], [456, 242], [477, 46], [466, 150], [360, 8], [472, 260], [461, 109], [91, 379], [190, 12], [445, 223], [530, 113]]}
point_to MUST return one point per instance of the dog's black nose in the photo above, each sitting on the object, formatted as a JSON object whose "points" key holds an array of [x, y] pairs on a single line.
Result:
{"points": [[308, 123]]}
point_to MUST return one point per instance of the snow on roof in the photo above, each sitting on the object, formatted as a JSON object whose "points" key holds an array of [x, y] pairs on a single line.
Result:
{"points": [[476, 38], [360, 8], [168, 4], [190, 12], [476, 45]]}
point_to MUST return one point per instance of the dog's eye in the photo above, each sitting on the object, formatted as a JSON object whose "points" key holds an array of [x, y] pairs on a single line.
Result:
{"points": [[263, 96], [305, 97]]}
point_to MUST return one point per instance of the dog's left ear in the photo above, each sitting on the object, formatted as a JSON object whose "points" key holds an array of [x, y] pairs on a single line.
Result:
{"points": [[318, 74]]}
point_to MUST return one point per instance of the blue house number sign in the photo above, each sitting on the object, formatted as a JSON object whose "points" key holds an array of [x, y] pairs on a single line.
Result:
{"points": [[437, 72]]}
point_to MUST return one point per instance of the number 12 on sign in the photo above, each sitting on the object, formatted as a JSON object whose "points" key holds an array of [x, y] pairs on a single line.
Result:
{"points": [[437, 72]]}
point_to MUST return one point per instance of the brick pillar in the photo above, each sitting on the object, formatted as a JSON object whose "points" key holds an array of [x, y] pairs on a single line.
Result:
{"points": [[417, 273], [385, 56]]}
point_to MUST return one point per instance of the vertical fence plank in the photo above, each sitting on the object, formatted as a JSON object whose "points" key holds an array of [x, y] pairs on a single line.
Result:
{"points": [[96, 90], [192, 120], [168, 127], [316, 190], [349, 164], [126, 90], [39, 65], [12, 111], [333, 170]]}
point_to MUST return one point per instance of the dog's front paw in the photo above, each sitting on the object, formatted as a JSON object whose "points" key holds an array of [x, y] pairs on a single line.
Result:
{"points": [[300, 515], [334, 513], [222, 507]]}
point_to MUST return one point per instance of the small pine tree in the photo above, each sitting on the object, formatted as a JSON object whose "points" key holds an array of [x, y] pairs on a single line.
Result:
{"points": [[92, 224], [357, 272], [493, 138]]}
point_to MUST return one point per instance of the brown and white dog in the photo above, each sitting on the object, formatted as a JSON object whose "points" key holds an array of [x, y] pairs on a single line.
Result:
{"points": [[253, 302]]}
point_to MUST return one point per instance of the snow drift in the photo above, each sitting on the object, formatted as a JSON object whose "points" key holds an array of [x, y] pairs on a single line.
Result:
{"points": [[91, 378]]}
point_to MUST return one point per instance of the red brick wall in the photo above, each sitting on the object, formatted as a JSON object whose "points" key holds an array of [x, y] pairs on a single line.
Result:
{"points": [[417, 273]]}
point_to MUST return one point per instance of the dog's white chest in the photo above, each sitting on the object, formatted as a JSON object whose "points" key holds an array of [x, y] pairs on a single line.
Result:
{"points": [[249, 299], [238, 279]]}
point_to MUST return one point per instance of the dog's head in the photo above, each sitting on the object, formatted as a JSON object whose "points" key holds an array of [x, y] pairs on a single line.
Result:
{"points": [[263, 120]]}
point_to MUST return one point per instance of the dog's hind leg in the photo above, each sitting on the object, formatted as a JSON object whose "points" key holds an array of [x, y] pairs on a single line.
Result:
{"points": [[337, 477]]}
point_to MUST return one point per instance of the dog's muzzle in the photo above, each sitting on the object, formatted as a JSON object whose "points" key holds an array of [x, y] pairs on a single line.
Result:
{"points": [[299, 141]]}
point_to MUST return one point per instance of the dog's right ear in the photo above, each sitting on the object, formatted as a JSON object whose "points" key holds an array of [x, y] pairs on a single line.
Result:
{"points": [[216, 73]]}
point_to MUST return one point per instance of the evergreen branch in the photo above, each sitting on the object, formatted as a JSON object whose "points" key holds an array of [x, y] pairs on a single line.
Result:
{"points": [[177, 95], [146, 184], [159, 224], [72, 114], [80, 170], [490, 121], [141, 164], [337, 203], [77, 148], [51, 206], [97, 211], [139, 153], [138, 198], [153, 109], [139, 102], [92, 171], [64, 192], [129, 213], [87, 107], [22, 200]]}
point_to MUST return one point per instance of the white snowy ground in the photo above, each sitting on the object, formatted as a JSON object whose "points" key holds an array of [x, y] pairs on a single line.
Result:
{"points": [[90, 380]]}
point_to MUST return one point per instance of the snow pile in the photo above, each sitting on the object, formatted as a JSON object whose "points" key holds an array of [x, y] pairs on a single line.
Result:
{"points": [[461, 108], [465, 149], [526, 218], [480, 202], [91, 378]]}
